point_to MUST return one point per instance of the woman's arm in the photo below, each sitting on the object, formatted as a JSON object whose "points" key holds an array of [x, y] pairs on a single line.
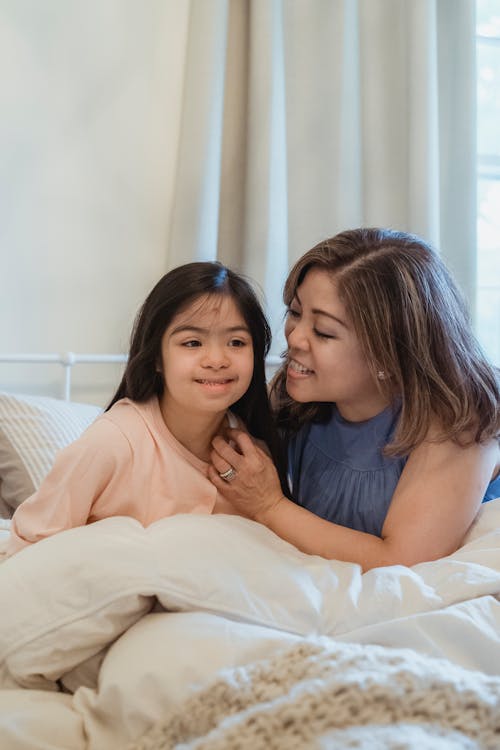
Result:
{"points": [[435, 502]]}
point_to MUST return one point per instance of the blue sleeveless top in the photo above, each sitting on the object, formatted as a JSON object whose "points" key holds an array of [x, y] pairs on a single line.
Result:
{"points": [[338, 471]]}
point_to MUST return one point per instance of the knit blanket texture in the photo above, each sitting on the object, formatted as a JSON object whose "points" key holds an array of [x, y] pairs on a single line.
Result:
{"points": [[336, 696]]}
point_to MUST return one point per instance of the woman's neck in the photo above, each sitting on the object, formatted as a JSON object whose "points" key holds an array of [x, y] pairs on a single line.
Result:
{"points": [[360, 410], [195, 431]]}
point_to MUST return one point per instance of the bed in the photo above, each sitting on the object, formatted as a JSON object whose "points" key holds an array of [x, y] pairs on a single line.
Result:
{"points": [[211, 632]]}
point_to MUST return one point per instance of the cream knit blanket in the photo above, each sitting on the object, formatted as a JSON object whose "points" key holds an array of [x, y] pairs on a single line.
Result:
{"points": [[337, 696]]}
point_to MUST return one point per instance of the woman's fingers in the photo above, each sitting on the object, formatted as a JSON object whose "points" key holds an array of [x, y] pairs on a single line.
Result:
{"points": [[223, 455], [242, 448], [215, 477], [244, 442], [243, 456], [253, 488], [220, 464]]}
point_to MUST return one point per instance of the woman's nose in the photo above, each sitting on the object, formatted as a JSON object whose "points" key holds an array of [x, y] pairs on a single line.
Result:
{"points": [[297, 336]]}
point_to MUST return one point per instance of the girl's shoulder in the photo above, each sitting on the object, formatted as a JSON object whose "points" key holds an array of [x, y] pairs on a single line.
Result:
{"points": [[121, 427], [130, 415]]}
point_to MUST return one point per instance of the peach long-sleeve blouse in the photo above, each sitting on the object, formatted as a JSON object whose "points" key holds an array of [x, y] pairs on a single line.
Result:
{"points": [[127, 463]]}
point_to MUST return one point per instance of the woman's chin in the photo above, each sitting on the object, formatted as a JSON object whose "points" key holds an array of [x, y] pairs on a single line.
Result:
{"points": [[296, 393]]}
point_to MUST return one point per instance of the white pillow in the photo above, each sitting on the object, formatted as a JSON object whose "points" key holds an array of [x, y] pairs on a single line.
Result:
{"points": [[156, 664], [32, 430]]}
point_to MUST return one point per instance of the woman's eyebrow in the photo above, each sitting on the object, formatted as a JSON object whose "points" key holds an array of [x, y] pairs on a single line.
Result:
{"points": [[317, 311]]}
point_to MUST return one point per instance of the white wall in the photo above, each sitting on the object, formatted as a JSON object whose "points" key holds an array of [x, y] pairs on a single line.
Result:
{"points": [[91, 96]]}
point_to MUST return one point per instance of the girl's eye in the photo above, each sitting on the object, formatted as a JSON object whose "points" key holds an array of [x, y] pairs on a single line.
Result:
{"points": [[292, 313], [237, 342], [192, 343], [322, 335]]}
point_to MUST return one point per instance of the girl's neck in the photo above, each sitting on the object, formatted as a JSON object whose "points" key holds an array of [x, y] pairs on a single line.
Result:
{"points": [[194, 431]]}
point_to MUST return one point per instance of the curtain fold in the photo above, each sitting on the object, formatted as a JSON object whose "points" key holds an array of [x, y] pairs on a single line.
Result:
{"points": [[265, 229], [301, 119], [195, 224]]}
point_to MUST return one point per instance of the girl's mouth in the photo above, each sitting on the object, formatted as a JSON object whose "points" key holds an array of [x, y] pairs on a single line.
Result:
{"points": [[215, 383], [221, 380]]}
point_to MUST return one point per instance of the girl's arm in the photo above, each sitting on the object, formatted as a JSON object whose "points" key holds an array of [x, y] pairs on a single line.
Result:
{"points": [[64, 499], [435, 502]]}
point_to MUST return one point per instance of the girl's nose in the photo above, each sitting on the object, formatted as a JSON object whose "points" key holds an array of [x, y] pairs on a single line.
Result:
{"points": [[215, 357]]}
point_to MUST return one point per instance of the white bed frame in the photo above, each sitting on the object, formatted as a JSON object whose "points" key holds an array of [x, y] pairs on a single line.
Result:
{"points": [[69, 359]]}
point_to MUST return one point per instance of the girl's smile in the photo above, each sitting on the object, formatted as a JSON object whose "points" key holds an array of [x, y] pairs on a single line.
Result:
{"points": [[216, 385]]}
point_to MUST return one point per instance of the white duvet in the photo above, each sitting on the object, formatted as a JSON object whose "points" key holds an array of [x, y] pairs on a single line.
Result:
{"points": [[134, 619]]}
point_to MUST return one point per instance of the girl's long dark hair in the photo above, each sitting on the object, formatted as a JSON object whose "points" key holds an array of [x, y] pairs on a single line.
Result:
{"points": [[172, 294]]}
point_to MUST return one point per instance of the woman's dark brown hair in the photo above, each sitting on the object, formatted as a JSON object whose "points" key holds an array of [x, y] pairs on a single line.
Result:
{"points": [[412, 324]]}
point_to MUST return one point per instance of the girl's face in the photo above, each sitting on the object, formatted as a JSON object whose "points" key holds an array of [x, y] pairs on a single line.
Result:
{"points": [[206, 358], [325, 360]]}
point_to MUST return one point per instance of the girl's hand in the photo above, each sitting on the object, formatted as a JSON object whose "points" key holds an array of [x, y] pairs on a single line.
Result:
{"points": [[254, 490]]}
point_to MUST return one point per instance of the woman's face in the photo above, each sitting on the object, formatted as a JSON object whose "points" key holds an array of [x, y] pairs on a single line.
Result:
{"points": [[325, 359]]}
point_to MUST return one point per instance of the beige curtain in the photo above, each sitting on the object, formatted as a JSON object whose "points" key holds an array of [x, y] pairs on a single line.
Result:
{"points": [[304, 117]]}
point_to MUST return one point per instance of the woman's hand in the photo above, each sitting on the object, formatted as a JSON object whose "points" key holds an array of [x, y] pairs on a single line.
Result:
{"points": [[254, 490]]}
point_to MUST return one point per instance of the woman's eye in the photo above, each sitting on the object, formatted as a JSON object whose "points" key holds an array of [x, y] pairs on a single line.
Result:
{"points": [[237, 342], [322, 335], [292, 313]]}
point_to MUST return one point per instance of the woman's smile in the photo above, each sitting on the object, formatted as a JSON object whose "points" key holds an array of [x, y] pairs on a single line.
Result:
{"points": [[298, 370]]}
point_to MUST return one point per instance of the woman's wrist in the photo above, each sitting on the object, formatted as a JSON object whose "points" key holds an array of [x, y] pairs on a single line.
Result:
{"points": [[269, 512]]}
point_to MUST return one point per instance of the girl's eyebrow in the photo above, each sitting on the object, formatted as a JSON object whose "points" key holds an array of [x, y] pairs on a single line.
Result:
{"points": [[198, 329]]}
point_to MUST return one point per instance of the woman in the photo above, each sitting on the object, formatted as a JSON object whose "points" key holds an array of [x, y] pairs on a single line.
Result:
{"points": [[390, 412]]}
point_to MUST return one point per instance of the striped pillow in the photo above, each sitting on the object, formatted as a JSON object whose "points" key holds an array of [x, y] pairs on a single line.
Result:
{"points": [[32, 430]]}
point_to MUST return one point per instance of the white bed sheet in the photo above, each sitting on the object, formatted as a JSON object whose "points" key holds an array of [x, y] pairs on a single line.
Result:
{"points": [[239, 594]]}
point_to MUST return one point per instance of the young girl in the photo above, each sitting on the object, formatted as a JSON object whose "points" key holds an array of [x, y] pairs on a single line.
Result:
{"points": [[390, 411], [197, 349]]}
